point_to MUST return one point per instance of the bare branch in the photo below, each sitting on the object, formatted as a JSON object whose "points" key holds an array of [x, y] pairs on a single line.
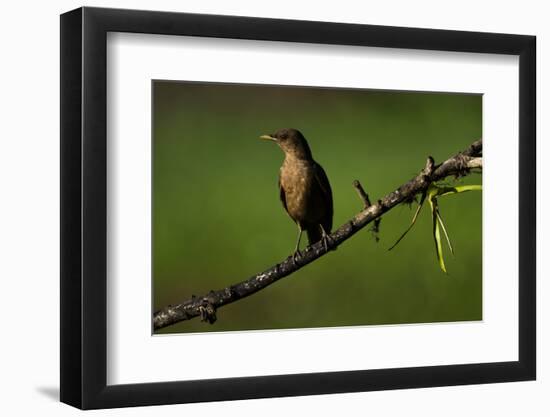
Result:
{"points": [[430, 166], [475, 163], [207, 305], [362, 194], [366, 204]]}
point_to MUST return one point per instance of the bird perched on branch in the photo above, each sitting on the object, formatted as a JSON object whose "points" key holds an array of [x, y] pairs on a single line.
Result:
{"points": [[304, 188]]}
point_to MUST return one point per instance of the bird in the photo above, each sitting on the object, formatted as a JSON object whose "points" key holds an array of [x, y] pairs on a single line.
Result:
{"points": [[304, 188]]}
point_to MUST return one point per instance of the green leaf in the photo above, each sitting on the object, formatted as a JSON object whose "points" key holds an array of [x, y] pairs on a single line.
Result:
{"points": [[422, 199], [459, 189], [437, 234], [438, 213], [434, 190]]}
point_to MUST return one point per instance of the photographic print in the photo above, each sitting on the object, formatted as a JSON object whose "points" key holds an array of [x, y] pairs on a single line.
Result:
{"points": [[294, 207], [318, 202]]}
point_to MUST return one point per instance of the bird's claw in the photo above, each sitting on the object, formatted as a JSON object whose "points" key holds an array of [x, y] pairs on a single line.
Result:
{"points": [[296, 256], [327, 242]]}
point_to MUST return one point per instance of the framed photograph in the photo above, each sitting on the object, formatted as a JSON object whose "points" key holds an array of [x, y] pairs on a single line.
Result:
{"points": [[257, 207]]}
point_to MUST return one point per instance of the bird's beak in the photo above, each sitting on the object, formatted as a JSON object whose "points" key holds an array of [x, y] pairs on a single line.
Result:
{"points": [[268, 137]]}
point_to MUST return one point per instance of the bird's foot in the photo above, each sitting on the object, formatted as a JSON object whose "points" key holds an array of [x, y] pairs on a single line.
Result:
{"points": [[296, 256], [328, 242]]}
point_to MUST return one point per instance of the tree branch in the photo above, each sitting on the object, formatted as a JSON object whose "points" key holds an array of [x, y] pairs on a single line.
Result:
{"points": [[206, 306]]}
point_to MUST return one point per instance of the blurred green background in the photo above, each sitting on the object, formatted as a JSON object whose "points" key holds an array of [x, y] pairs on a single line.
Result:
{"points": [[217, 218]]}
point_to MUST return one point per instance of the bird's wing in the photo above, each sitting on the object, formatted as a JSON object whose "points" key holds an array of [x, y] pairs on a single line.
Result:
{"points": [[282, 195], [324, 185]]}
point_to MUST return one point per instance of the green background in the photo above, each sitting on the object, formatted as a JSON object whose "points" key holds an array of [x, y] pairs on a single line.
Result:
{"points": [[217, 218]]}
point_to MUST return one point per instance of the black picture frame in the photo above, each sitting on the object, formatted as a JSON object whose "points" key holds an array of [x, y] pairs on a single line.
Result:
{"points": [[84, 207]]}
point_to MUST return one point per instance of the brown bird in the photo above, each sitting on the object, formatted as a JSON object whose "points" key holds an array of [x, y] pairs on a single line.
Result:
{"points": [[304, 188]]}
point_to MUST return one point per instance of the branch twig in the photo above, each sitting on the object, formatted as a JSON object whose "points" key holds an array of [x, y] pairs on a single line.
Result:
{"points": [[207, 305], [366, 204], [362, 194]]}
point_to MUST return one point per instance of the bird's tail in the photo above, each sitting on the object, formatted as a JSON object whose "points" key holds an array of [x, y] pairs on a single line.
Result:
{"points": [[314, 234]]}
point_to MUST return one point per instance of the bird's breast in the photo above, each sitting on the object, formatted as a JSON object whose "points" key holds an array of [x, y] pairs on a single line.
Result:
{"points": [[298, 181]]}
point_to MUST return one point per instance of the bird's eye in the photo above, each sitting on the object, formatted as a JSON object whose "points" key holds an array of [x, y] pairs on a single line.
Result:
{"points": [[283, 136]]}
